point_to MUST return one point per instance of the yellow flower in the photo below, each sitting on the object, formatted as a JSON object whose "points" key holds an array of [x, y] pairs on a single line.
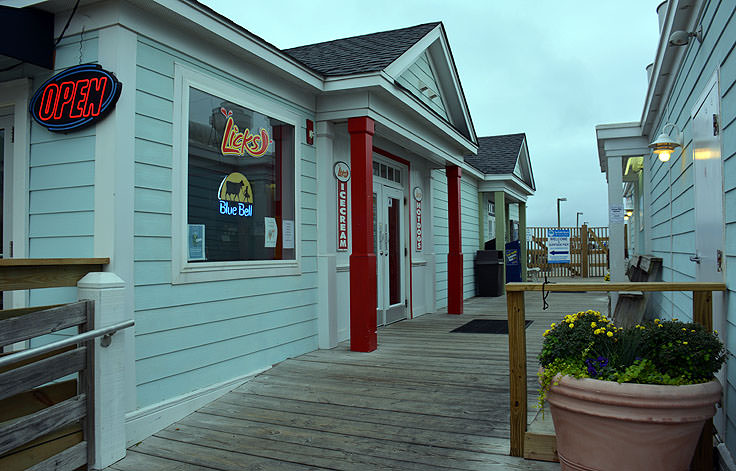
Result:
{"points": [[685, 330], [684, 343], [593, 324], [597, 331], [660, 325], [610, 334], [546, 332], [571, 325], [656, 321], [553, 325], [693, 331]]}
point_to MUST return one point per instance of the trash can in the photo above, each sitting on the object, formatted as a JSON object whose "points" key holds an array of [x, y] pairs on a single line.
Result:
{"points": [[513, 261], [488, 273]]}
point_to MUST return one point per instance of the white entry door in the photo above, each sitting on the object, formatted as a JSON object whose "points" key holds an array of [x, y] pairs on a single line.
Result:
{"points": [[6, 138], [390, 247], [709, 217]]}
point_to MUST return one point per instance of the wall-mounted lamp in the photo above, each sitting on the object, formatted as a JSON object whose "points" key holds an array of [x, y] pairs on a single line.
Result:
{"points": [[665, 143], [629, 212], [626, 217], [681, 38]]}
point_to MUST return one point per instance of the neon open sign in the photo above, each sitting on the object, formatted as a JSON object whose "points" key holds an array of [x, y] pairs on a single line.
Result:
{"points": [[77, 97]]}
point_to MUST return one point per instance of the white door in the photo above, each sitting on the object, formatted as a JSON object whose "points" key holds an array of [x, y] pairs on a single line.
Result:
{"points": [[6, 148], [709, 216], [391, 251]]}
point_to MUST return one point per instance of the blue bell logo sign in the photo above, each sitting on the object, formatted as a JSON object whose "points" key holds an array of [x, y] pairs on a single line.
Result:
{"points": [[235, 195]]}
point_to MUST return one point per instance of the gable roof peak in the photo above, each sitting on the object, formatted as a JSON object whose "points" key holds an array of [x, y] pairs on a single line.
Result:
{"points": [[360, 54], [497, 155]]}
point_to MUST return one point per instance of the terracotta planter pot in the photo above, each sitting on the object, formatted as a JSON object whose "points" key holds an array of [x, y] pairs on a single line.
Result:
{"points": [[604, 425]]}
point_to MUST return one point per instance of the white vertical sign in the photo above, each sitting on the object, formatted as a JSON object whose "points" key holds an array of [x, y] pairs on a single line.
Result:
{"points": [[418, 212], [342, 173]]}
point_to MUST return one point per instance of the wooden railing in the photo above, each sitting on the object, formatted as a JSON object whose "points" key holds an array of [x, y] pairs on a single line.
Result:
{"points": [[588, 252], [46, 423], [31, 273], [702, 314]]}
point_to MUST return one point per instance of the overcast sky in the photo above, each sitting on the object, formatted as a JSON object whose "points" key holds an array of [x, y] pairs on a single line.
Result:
{"points": [[551, 69]]}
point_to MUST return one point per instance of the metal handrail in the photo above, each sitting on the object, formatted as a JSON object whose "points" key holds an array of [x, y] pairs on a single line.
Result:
{"points": [[92, 334]]}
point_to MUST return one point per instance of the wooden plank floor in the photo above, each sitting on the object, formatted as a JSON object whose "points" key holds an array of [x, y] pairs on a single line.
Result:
{"points": [[427, 399]]}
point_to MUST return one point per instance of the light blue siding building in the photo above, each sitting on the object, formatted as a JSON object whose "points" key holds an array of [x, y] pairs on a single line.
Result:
{"points": [[211, 185], [682, 205]]}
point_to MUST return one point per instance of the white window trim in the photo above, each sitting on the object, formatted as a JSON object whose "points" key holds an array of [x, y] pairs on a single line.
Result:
{"points": [[184, 271]]}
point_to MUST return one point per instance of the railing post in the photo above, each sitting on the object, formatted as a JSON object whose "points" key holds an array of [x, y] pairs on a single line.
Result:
{"points": [[108, 374], [703, 314], [517, 369], [584, 251]]}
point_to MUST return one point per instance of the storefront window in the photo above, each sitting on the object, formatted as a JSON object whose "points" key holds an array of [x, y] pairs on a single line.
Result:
{"points": [[240, 182]]}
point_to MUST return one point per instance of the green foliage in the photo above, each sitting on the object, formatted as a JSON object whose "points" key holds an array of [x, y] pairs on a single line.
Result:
{"points": [[588, 345]]}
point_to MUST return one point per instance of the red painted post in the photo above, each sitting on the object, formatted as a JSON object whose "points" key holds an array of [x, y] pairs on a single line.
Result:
{"points": [[363, 258], [455, 253]]}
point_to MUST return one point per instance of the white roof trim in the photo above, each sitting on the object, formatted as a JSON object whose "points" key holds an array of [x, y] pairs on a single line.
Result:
{"points": [[680, 15], [437, 48]]}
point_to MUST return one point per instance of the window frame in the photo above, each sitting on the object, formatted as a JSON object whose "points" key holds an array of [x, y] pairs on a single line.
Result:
{"points": [[184, 271]]}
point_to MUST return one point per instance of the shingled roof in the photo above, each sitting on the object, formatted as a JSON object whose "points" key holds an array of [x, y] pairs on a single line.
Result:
{"points": [[497, 154], [359, 54]]}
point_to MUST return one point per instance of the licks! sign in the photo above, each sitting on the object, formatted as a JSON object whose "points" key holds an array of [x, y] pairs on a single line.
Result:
{"points": [[77, 97], [235, 142]]}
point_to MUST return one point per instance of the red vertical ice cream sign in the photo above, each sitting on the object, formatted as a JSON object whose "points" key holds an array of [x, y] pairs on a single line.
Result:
{"points": [[342, 173], [418, 213]]}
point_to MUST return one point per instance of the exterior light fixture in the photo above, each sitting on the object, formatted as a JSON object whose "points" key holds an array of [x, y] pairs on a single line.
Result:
{"points": [[681, 38], [626, 217], [665, 144], [629, 212]]}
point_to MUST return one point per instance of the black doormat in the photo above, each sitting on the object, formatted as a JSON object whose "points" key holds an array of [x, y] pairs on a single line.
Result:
{"points": [[486, 326]]}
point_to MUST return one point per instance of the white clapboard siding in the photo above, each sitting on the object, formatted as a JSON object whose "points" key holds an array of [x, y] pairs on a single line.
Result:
{"points": [[438, 200], [469, 231], [194, 335], [61, 183], [671, 211]]}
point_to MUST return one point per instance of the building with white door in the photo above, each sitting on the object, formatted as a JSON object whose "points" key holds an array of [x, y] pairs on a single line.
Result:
{"points": [[681, 203], [257, 203]]}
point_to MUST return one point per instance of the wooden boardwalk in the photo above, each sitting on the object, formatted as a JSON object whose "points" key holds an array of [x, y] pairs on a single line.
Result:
{"points": [[427, 399]]}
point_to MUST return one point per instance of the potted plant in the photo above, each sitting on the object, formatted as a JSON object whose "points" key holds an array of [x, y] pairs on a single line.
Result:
{"points": [[628, 399]]}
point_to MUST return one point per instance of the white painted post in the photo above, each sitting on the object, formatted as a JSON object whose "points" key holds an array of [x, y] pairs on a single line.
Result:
{"points": [[107, 291], [326, 236], [615, 229]]}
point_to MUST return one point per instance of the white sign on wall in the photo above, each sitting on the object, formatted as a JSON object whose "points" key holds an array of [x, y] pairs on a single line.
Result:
{"points": [[558, 245], [616, 213], [342, 173], [418, 211]]}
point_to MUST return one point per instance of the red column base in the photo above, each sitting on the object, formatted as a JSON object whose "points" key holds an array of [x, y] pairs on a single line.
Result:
{"points": [[363, 336], [455, 283]]}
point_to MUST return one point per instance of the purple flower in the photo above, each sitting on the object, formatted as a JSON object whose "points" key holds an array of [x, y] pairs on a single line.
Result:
{"points": [[594, 364]]}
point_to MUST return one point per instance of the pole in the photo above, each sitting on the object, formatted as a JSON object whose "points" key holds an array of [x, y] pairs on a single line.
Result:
{"points": [[558, 210]]}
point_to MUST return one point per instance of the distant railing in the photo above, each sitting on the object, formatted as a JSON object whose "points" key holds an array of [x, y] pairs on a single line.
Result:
{"points": [[702, 314], [588, 252]]}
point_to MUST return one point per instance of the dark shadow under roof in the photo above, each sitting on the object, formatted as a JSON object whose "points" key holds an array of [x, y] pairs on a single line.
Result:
{"points": [[359, 54], [497, 154]]}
